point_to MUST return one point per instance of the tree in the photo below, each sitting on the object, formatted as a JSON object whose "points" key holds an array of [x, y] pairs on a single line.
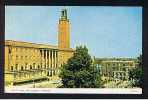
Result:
{"points": [[140, 60], [80, 72], [136, 74]]}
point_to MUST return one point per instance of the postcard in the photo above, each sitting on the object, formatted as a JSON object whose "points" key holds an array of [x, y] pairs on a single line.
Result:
{"points": [[73, 49]]}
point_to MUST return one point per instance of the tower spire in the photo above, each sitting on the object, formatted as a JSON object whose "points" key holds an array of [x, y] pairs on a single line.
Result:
{"points": [[64, 14]]}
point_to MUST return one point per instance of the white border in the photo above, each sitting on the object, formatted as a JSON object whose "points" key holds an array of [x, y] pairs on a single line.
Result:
{"points": [[76, 90]]}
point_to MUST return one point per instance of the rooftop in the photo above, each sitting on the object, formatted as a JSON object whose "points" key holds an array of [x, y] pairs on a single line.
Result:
{"points": [[33, 45]]}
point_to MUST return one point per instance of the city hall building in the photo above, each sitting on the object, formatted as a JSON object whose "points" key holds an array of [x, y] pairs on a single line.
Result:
{"points": [[26, 61]]}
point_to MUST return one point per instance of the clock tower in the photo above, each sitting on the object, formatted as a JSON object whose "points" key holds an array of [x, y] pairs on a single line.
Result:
{"points": [[63, 30]]}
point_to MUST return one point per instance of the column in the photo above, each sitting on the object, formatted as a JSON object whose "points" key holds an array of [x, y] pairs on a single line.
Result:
{"points": [[57, 59], [48, 61], [52, 62], [46, 71], [49, 64], [44, 63], [46, 58], [42, 51], [55, 62]]}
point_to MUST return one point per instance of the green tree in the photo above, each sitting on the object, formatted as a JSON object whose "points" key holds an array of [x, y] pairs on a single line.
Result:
{"points": [[80, 72], [140, 60], [136, 74]]}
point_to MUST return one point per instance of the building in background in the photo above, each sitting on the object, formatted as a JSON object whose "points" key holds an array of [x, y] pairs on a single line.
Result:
{"points": [[115, 68], [27, 62]]}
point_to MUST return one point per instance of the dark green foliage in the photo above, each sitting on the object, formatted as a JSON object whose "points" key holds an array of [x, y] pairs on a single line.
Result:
{"points": [[79, 72], [140, 60], [136, 73]]}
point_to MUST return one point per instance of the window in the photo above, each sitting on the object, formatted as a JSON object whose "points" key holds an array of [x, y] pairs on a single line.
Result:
{"points": [[16, 57], [25, 57], [113, 68], [21, 57], [30, 67], [38, 66], [131, 64], [11, 68], [41, 65], [25, 66], [9, 50], [45, 66], [124, 69], [22, 68]]}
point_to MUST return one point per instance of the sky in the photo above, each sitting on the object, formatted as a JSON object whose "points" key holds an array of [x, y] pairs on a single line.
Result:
{"points": [[105, 30]]}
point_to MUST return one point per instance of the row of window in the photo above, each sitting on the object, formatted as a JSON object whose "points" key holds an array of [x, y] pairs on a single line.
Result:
{"points": [[109, 69], [118, 74], [29, 50], [18, 49], [28, 57], [114, 68], [22, 68], [30, 75], [118, 64]]}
